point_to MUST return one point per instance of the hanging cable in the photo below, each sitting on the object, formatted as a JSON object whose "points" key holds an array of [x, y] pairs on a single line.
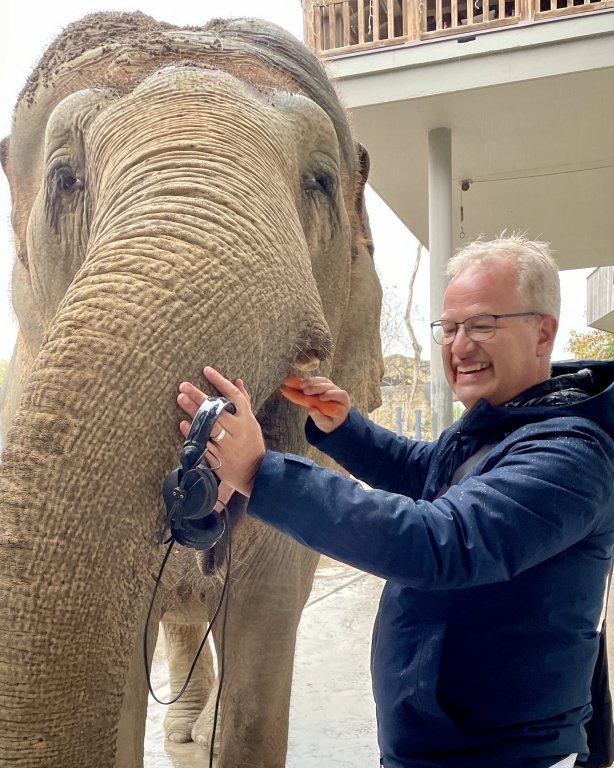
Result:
{"points": [[221, 667], [222, 656], [464, 188], [545, 174]]}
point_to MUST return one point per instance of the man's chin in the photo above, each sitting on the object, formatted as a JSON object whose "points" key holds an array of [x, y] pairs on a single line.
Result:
{"points": [[469, 395]]}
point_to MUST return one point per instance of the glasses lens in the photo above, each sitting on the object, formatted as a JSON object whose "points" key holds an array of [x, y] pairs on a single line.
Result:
{"points": [[480, 327], [444, 331]]}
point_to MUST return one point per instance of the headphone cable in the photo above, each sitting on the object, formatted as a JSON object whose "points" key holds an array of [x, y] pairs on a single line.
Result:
{"points": [[222, 657], [171, 541]]}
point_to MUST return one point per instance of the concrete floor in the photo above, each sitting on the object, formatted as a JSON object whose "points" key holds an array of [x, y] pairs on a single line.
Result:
{"points": [[332, 715]]}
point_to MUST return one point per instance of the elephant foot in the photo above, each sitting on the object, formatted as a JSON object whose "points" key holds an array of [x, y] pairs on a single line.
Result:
{"points": [[178, 725], [205, 741], [179, 737], [203, 727]]}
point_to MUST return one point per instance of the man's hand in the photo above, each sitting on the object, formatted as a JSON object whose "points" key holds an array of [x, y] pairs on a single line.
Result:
{"points": [[326, 392], [237, 457]]}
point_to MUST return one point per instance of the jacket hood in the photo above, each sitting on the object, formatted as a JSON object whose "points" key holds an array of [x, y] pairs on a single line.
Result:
{"points": [[578, 388]]}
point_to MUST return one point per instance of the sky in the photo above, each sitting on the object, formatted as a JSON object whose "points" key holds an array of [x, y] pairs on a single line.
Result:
{"points": [[29, 27]]}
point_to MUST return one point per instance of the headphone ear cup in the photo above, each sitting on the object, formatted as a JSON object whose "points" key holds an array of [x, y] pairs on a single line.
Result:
{"points": [[193, 522], [171, 482], [201, 493], [203, 533], [198, 487]]}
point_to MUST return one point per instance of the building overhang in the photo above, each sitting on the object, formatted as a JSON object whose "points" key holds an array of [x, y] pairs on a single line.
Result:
{"points": [[531, 112]]}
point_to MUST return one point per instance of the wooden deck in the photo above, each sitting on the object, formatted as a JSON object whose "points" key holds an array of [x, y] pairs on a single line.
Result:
{"points": [[335, 27]]}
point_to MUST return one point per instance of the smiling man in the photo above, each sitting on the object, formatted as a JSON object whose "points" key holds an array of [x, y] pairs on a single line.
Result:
{"points": [[500, 316], [495, 539]]}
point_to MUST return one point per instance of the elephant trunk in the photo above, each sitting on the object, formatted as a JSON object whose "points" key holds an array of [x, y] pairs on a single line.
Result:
{"points": [[78, 548], [181, 269], [80, 484]]}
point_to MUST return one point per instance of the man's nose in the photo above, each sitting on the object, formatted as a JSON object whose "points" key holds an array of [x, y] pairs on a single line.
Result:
{"points": [[461, 343]]}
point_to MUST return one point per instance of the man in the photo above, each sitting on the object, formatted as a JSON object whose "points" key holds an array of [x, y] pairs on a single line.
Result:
{"points": [[485, 640]]}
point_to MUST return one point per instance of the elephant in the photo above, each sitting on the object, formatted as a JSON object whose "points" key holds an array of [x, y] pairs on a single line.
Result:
{"points": [[180, 197]]}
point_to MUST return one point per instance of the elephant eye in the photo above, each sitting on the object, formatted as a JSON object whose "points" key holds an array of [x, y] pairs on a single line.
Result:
{"points": [[320, 181], [65, 181]]}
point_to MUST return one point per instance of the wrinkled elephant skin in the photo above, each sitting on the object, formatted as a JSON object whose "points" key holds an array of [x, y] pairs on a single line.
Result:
{"points": [[180, 198]]}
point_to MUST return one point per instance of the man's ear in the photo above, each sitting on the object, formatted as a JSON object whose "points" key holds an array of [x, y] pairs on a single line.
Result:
{"points": [[548, 326]]}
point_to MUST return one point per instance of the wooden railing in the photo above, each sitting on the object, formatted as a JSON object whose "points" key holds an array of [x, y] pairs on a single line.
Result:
{"points": [[339, 26]]}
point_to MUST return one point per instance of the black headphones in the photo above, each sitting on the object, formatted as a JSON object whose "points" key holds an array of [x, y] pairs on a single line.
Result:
{"points": [[190, 490]]}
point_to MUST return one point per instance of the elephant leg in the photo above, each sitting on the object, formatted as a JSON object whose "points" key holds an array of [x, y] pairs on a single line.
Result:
{"points": [[131, 728], [182, 641], [266, 601]]}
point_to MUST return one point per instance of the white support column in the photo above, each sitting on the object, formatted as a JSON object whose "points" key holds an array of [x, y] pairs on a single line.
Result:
{"points": [[440, 250]]}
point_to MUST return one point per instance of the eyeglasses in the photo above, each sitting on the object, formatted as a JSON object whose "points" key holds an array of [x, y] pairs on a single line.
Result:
{"points": [[477, 328]]}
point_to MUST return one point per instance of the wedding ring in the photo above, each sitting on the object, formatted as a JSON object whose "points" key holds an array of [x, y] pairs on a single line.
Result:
{"points": [[220, 436]]}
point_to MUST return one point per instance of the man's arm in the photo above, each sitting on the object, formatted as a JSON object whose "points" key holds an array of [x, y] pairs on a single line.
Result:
{"points": [[543, 489], [369, 452], [535, 497], [376, 455]]}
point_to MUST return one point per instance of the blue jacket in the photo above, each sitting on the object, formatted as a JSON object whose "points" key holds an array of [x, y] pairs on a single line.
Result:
{"points": [[486, 635]]}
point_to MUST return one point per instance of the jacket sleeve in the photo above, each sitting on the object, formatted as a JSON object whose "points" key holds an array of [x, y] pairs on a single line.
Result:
{"points": [[375, 455], [535, 495]]}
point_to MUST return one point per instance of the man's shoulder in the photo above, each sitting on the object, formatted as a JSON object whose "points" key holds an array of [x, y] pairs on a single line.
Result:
{"points": [[573, 433], [578, 394]]}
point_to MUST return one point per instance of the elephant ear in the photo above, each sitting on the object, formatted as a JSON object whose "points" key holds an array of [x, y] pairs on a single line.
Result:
{"points": [[358, 365], [363, 166], [4, 152]]}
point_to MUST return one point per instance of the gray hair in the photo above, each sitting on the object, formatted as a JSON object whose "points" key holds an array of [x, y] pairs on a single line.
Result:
{"points": [[538, 275]]}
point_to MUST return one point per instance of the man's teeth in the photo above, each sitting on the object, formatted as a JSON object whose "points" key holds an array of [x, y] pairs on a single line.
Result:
{"points": [[471, 368]]}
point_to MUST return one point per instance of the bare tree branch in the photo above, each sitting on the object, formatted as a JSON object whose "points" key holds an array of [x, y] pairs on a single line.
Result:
{"points": [[412, 334], [391, 324]]}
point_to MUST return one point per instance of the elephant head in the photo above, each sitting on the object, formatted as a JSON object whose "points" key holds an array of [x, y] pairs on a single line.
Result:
{"points": [[180, 197]]}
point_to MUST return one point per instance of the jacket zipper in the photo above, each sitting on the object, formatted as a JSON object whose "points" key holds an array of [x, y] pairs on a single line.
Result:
{"points": [[451, 462]]}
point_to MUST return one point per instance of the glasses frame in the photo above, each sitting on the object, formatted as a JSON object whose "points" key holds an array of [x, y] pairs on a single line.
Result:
{"points": [[439, 324]]}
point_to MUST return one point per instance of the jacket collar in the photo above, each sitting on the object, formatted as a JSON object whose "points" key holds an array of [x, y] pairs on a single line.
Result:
{"points": [[578, 388]]}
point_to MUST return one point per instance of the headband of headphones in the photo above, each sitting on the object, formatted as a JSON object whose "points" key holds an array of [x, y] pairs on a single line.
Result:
{"points": [[200, 430]]}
